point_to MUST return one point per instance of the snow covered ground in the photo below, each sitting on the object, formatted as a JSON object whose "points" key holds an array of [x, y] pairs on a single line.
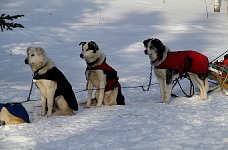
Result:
{"points": [[119, 27]]}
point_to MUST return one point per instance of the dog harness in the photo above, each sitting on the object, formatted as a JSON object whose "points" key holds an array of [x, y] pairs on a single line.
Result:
{"points": [[63, 86], [185, 61], [17, 110], [111, 75]]}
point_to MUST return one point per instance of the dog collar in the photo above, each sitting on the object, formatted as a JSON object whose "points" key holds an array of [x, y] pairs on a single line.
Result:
{"points": [[37, 71], [158, 59], [94, 62]]}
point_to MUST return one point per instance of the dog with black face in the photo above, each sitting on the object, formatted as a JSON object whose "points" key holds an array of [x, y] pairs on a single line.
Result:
{"points": [[169, 65], [101, 76]]}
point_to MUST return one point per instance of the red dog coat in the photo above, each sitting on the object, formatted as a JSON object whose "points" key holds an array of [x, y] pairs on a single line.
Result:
{"points": [[111, 75], [185, 61], [111, 80]]}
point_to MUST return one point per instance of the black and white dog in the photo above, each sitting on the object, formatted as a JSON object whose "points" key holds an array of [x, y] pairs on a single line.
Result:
{"points": [[167, 66], [101, 76]]}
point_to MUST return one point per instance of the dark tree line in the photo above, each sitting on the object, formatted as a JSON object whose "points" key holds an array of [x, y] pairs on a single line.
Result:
{"points": [[6, 22]]}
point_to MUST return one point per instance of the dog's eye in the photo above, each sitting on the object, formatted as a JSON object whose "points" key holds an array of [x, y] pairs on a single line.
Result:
{"points": [[33, 55]]}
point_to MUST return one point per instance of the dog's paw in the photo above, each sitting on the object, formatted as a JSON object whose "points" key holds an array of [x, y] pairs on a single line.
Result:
{"points": [[87, 106], [2, 123], [98, 105], [49, 114], [165, 101], [43, 113]]}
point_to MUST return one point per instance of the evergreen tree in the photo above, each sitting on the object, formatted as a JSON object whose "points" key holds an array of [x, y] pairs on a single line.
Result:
{"points": [[6, 22]]}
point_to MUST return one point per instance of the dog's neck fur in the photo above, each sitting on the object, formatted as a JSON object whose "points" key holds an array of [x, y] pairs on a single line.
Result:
{"points": [[98, 61], [164, 55], [44, 67]]}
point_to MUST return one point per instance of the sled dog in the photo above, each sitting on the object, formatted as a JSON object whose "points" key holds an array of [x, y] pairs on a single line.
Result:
{"points": [[101, 76], [168, 65], [13, 113], [57, 96]]}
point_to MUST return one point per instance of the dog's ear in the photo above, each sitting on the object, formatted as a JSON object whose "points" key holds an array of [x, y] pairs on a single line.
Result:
{"points": [[40, 50], [158, 45], [28, 49], [145, 42], [82, 43], [93, 46]]}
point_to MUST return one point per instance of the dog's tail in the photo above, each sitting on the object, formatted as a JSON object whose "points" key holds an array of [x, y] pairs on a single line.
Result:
{"points": [[120, 98]]}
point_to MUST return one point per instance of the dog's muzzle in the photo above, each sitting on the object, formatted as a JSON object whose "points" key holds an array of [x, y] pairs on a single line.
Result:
{"points": [[146, 52], [26, 61]]}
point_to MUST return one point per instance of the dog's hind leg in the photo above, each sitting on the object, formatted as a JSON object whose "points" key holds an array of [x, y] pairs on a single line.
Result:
{"points": [[206, 84], [196, 82], [201, 85], [61, 107], [109, 98], [204, 79], [62, 113]]}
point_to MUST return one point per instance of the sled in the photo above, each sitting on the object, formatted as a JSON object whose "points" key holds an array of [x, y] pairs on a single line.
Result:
{"points": [[219, 72]]}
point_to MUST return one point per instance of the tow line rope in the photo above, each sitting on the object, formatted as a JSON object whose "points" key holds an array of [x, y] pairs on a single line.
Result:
{"points": [[177, 81], [30, 93], [139, 86], [144, 88]]}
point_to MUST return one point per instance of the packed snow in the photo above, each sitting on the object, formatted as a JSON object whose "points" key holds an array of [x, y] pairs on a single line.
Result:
{"points": [[119, 28]]}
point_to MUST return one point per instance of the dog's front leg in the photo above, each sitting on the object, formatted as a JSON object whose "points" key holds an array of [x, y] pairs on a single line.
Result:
{"points": [[160, 74], [101, 95], [167, 93], [162, 88], [90, 92], [102, 89], [50, 104], [43, 105], [170, 75]]}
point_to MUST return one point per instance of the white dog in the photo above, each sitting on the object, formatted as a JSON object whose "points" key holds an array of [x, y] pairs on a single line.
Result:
{"points": [[168, 64], [101, 76], [57, 96]]}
